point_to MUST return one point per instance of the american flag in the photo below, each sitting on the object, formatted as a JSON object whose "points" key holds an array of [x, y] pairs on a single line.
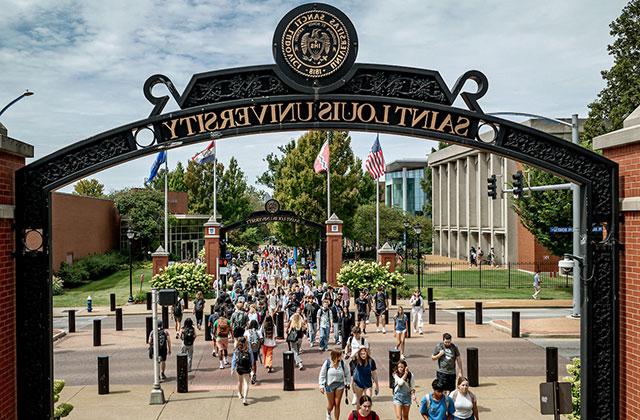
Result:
{"points": [[375, 160]]}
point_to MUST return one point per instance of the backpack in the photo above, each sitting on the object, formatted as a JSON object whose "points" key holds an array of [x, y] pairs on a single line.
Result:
{"points": [[238, 320], [355, 415], [199, 305], [243, 362], [254, 341], [446, 403], [223, 327], [177, 309], [189, 336], [327, 363], [162, 340]]}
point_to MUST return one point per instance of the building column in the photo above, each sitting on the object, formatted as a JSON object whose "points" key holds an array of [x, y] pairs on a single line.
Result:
{"points": [[387, 255], [212, 245], [334, 248], [404, 190], [160, 260]]}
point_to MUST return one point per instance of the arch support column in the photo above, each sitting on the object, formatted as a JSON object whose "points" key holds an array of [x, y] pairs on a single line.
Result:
{"points": [[160, 259], [334, 248], [387, 255], [212, 245]]}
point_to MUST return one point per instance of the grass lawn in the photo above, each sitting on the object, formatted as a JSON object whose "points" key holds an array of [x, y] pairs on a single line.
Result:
{"points": [[100, 290]]}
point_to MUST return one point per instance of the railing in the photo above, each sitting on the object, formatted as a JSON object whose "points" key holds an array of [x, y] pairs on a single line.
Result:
{"points": [[508, 276]]}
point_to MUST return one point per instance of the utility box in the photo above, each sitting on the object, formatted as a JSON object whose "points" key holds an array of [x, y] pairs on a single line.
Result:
{"points": [[167, 297]]}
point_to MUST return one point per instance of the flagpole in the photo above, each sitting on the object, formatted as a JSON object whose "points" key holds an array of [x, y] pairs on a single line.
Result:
{"points": [[329, 178], [166, 205], [377, 215], [215, 189]]}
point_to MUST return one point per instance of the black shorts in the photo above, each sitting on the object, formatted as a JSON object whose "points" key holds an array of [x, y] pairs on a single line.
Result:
{"points": [[238, 332], [448, 380], [380, 312], [163, 355], [362, 317]]}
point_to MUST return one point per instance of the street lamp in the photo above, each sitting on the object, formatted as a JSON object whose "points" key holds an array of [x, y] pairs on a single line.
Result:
{"points": [[26, 93], [417, 228], [405, 223], [130, 235]]}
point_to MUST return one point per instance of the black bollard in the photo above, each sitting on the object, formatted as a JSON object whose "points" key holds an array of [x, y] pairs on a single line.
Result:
{"points": [[478, 313], [207, 331], [148, 301], [461, 319], [552, 364], [386, 317], [409, 326], [165, 317], [97, 330], [212, 308], [185, 298], [118, 319], [182, 376], [103, 375], [288, 374], [515, 324], [472, 366], [280, 325], [394, 358], [394, 296], [72, 320], [432, 313], [429, 294], [149, 328], [112, 302]]}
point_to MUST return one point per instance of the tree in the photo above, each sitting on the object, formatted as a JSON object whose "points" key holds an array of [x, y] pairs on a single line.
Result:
{"points": [[301, 190], [144, 207], [621, 95], [268, 178], [89, 188], [175, 178], [364, 226]]}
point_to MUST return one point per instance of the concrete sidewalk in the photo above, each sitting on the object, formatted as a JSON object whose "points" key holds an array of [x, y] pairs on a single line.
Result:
{"points": [[505, 396]]}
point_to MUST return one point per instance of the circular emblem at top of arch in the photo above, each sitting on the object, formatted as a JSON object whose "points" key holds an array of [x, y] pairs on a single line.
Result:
{"points": [[315, 46]]}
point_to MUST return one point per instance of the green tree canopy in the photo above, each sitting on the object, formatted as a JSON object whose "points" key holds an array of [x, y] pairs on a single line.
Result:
{"points": [[145, 209], [89, 188], [268, 178], [364, 225], [175, 178]]}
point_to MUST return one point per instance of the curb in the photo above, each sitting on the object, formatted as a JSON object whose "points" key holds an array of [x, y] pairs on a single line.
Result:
{"points": [[507, 330], [57, 336], [465, 307]]}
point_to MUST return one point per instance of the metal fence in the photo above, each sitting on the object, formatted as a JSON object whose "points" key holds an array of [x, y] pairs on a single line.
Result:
{"points": [[508, 276]]}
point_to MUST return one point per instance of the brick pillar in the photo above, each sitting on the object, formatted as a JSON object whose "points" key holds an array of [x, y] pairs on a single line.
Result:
{"points": [[160, 259], [387, 255], [12, 158], [623, 147], [211, 245], [334, 248]]}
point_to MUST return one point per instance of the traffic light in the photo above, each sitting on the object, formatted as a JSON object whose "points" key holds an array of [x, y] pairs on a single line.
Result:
{"points": [[492, 188], [518, 184]]}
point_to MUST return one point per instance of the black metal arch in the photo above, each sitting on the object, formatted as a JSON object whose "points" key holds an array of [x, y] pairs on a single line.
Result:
{"points": [[380, 98]]}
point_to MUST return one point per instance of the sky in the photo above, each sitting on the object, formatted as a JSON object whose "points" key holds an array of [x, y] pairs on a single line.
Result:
{"points": [[87, 62]]}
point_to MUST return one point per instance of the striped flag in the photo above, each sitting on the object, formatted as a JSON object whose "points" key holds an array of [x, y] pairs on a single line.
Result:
{"points": [[322, 160], [207, 155], [375, 160]]}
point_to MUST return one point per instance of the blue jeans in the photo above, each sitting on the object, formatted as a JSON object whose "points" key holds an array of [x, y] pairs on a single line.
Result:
{"points": [[324, 337], [336, 332], [313, 327]]}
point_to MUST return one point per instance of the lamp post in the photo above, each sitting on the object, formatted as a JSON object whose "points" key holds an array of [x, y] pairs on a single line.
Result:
{"points": [[26, 93], [405, 223], [130, 235], [417, 228]]}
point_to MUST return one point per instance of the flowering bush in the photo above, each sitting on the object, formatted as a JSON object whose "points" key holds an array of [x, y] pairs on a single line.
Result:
{"points": [[63, 409], [184, 277], [370, 274], [574, 371], [57, 285]]}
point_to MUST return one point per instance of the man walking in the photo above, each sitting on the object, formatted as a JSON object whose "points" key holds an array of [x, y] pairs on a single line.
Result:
{"points": [[324, 321], [164, 347], [537, 282], [447, 355]]}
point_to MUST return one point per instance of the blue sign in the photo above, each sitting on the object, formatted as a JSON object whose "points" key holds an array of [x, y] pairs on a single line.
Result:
{"points": [[555, 229]]}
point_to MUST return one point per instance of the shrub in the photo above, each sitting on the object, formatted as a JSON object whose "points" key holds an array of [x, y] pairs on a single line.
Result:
{"points": [[574, 371], [185, 277], [63, 409], [57, 285], [91, 267], [140, 297], [369, 274]]}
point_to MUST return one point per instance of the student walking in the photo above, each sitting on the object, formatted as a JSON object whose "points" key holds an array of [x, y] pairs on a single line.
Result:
{"points": [[436, 405], [268, 333], [464, 401], [346, 325], [365, 412], [324, 320], [239, 321], [382, 304], [537, 284], [362, 305], [355, 343], [417, 304], [241, 363], [334, 378], [404, 390], [164, 347], [295, 333], [198, 309], [400, 329], [222, 329], [448, 356], [188, 336], [310, 310], [255, 342], [365, 375], [211, 320], [178, 310]]}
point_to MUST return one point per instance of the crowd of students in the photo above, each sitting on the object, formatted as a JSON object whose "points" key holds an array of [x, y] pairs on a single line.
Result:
{"points": [[243, 323]]}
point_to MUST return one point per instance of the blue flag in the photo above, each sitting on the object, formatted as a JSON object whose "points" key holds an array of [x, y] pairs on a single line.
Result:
{"points": [[160, 159]]}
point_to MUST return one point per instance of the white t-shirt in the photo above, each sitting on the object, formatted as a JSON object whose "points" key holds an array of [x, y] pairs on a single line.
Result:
{"points": [[357, 344], [463, 404]]}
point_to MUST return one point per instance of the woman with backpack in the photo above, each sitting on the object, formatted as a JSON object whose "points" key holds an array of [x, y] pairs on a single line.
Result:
{"points": [[221, 329], [268, 332], [400, 330], [241, 363], [346, 325], [404, 390], [188, 336], [178, 310], [334, 378], [198, 309], [364, 375], [254, 339], [365, 412], [464, 401], [295, 333]]}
